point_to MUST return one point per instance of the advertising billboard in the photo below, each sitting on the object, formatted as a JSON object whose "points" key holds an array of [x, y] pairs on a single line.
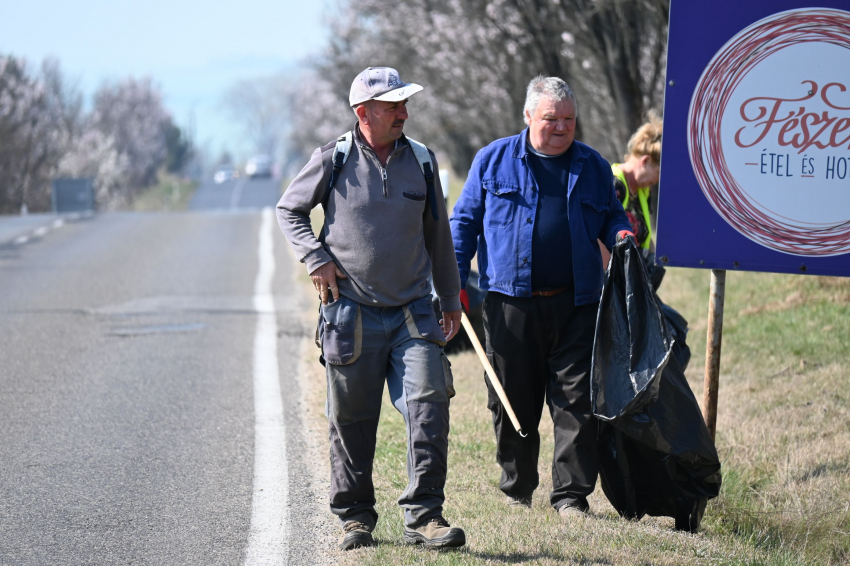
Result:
{"points": [[755, 171]]}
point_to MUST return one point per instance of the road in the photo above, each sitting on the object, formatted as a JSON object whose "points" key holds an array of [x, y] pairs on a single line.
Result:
{"points": [[236, 194], [132, 347]]}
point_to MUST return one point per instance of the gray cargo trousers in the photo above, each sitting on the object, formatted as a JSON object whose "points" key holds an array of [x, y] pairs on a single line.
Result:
{"points": [[364, 346]]}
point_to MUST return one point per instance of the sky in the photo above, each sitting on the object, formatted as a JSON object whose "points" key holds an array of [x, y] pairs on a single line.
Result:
{"points": [[194, 50]]}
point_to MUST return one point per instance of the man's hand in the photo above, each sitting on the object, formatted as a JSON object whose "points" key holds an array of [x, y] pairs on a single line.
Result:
{"points": [[450, 323], [324, 278], [623, 234]]}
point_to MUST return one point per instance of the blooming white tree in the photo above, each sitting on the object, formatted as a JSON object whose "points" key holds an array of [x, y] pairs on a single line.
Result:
{"points": [[132, 115], [259, 105], [94, 155], [317, 115], [35, 126], [476, 57], [122, 143]]}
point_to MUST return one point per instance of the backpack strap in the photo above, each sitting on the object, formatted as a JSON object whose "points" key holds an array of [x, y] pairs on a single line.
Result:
{"points": [[423, 157], [342, 150]]}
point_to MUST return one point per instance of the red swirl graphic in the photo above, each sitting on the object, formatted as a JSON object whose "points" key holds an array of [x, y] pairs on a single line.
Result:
{"points": [[708, 105]]}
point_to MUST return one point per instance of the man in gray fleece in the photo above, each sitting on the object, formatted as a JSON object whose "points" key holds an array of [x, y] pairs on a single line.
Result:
{"points": [[385, 233]]}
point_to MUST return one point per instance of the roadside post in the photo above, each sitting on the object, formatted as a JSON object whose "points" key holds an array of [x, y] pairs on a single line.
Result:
{"points": [[716, 296], [756, 169]]}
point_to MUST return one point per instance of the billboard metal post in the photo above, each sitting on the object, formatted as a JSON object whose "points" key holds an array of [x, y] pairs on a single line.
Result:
{"points": [[712, 348]]}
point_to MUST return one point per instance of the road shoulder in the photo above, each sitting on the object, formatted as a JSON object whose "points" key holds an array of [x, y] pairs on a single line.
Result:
{"points": [[313, 528]]}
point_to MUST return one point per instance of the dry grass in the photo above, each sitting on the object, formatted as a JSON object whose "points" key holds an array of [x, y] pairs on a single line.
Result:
{"points": [[783, 437], [171, 193], [784, 409], [501, 535]]}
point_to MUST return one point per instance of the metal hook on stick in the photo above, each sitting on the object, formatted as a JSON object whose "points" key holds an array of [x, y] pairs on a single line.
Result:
{"points": [[491, 373]]}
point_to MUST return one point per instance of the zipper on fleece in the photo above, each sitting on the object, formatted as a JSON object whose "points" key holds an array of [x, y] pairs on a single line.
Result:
{"points": [[383, 169], [384, 178]]}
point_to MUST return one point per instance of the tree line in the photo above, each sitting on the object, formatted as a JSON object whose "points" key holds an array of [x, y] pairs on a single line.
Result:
{"points": [[475, 58], [122, 142]]}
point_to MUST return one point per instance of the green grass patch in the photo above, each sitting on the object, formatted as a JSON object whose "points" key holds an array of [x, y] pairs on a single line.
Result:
{"points": [[783, 418], [783, 436]]}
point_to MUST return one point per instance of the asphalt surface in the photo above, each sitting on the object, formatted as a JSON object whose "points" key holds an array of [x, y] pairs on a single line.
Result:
{"points": [[126, 393], [236, 194]]}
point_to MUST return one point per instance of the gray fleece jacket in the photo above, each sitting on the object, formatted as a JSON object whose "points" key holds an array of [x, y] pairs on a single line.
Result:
{"points": [[377, 228]]}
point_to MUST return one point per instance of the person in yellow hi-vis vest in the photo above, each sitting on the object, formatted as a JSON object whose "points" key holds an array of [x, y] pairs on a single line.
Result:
{"points": [[638, 172]]}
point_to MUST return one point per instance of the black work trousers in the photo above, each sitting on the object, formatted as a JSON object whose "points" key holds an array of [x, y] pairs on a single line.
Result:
{"points": [[541, 349]]}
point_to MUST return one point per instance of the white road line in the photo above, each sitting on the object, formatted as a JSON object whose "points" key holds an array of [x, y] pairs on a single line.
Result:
{"points": [[268, 539], [42, 230], [236, 194]]}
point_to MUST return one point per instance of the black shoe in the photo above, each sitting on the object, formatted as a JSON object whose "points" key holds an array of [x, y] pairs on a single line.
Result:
{"points": [[435, 532], [355, 535]]}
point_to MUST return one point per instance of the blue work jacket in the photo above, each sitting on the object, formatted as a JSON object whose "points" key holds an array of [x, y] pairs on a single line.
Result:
{"points": [[496, 212]]}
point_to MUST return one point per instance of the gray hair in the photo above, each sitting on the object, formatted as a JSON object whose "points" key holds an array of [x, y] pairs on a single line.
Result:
{"points": [[551, 87]]}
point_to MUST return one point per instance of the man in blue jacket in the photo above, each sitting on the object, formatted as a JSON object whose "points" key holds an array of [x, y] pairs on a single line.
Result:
{"points": [[533, 207]]}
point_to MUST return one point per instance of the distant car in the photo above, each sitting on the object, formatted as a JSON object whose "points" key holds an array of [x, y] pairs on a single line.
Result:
{"points": [[259, 166], [225, 173]]}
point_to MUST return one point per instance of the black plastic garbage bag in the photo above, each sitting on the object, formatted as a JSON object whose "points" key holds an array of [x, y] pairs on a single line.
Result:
{"points": [[656, 455], [679, 330], [675, 321]]}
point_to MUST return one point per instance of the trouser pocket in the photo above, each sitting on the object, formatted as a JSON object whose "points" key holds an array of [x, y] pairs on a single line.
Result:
{"points": [[422, 322], [447, 372], [320, 329], [341, 332]]}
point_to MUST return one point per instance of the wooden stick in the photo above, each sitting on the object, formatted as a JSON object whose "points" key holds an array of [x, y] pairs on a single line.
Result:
{"points": [[712, 348], [491, 373]]}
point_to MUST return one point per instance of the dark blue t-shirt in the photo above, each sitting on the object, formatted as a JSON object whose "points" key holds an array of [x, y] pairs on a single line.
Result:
{"points": [[551, 244]]}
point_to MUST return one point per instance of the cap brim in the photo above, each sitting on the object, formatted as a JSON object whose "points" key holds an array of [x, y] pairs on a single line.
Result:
{"points": [[402, 93]]}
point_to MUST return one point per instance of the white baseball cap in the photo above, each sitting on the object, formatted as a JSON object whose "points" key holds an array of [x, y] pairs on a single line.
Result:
{"points": [[380, 83]]}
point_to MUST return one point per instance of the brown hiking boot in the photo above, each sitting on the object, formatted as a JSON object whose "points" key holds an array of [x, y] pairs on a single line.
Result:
{"points": [[435, 532], [354, 535]]}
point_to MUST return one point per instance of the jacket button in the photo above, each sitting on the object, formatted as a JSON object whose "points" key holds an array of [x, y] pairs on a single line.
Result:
{"points": [[524, 260], [528, 220]]}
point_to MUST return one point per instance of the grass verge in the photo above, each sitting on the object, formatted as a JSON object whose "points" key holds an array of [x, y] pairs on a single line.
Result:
{"points": [[171, 193], [783, 411], [783, 436]]}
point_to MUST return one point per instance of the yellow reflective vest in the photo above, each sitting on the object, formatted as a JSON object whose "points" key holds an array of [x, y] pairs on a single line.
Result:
{"points": [[643, 200]]}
